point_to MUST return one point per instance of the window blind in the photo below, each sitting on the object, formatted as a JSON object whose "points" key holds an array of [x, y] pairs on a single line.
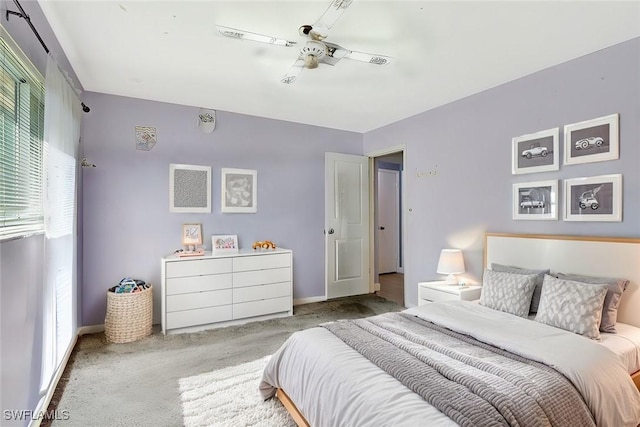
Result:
{"points": [[21, 143]]}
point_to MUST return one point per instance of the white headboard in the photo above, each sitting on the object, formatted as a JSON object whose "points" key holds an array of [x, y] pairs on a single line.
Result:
{"points": [[588, 256]]}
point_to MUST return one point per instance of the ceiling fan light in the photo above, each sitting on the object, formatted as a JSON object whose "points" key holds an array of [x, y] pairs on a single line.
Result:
{"points": [[311, 61], [313, 52]]}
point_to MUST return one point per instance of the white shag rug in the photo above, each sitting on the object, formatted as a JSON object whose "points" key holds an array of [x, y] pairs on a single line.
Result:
{"points": [[229, 397]]}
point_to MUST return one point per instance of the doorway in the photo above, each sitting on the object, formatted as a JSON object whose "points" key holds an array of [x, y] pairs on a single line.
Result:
{"points": [[388, 226]]}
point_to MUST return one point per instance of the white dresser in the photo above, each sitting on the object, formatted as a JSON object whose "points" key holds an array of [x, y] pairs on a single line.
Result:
{"points": [[219, 290]]}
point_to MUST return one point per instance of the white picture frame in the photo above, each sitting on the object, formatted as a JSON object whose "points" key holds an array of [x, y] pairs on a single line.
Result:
{"points": [[596, 198], [189, 188], [535, 200], [239, 192], [224, 243], [595, 140], [535, 152]]}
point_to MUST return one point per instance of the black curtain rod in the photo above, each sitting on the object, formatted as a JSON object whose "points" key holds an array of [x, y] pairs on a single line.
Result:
{"points": [[22, 14]]}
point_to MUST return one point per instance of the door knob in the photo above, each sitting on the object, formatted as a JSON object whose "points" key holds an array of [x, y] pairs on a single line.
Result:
{"points": [[331, 231], [381, 228]]}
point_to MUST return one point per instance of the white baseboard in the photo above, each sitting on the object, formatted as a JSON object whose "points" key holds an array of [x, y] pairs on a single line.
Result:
{"points": [[309, 300], [93, 329], [376, 287], [43, 404]]}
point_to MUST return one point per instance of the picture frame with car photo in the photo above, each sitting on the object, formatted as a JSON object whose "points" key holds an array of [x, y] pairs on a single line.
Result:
{"points": [[535, 200], [595, 140], [596, 198], [535, 152]]}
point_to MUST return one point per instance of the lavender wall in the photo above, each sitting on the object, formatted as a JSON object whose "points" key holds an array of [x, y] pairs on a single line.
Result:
{"points": [[458, 184], [127, 223], [458, 170]]}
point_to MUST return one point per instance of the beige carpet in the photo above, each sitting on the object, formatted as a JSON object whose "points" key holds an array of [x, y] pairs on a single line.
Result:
{"points": [[136, 384], [229, 397]]}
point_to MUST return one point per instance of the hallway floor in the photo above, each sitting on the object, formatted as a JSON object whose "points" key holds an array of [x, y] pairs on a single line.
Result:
{"points": [[392, 287]]}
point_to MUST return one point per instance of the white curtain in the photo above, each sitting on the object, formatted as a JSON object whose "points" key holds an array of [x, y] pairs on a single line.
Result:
{"points": [[62, 116]]}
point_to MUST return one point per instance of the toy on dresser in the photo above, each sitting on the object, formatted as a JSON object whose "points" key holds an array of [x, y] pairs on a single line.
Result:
{"points": [[265, 244]]}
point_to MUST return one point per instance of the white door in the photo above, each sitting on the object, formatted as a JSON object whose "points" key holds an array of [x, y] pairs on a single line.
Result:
{"points": [[388, 232], [346, 224]]}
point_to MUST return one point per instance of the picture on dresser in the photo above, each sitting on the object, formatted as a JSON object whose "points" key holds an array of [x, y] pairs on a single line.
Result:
{"points": [[224, 243], [596, 198], [591, 140], [239, 191], [191, 234], [189, 188], [536, 152], [535, 200]]}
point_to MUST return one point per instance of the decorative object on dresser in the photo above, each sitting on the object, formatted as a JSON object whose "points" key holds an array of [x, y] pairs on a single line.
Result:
{"points": [[224, 244], [223, 289], [239, 193], [451, 262], [536, 152], [597, 198], [191, 240], [444, 290], [189, 188], [595, 140], [264, 244]]}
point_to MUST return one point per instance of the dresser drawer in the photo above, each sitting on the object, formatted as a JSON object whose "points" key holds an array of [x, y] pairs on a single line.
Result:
{"points": [[260, 262], [259, 308], [198, 300], [201, 316], [198, 267], [259, 277], [256, 293], [185, 285], [437, 295]]}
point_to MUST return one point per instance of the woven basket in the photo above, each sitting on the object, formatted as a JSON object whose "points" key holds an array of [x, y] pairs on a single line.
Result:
{"points": [[129, 316]]}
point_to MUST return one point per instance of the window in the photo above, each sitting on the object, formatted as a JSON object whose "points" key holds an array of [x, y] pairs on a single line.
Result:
{"points": [[21, 142]]}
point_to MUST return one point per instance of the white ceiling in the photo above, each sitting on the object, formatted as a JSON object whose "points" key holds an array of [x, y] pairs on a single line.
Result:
{"points": [[170, 51]]}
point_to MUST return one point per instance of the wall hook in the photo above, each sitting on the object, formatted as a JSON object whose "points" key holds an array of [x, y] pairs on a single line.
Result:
{"points": [[85, 163]]}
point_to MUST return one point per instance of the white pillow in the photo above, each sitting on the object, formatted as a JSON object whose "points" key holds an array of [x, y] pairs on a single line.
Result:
{"points": [[572, 306], [507, 292]]}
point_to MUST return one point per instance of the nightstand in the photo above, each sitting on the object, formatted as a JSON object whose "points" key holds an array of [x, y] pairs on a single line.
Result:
{"points": [[441, 290]]}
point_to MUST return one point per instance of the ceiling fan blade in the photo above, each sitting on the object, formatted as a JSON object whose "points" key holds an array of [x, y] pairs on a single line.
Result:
{"points": [[336, 52], [329, 17], [234, 33], [294, 71], [371, 58]]}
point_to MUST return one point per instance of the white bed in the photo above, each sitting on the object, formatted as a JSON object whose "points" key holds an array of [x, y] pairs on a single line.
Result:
{"points": [[625, 344], [325, 382]]}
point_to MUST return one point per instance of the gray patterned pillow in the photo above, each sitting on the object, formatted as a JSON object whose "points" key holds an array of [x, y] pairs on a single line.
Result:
{"points": [[611, 301], [572, 306], [507, 292], [535, 300]]}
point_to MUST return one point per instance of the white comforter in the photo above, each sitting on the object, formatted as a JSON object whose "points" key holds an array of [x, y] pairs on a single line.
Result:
{"points": [[332, 384]]}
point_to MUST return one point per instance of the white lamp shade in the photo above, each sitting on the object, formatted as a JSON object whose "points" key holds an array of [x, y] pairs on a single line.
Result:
{"points": [[451, 262]]}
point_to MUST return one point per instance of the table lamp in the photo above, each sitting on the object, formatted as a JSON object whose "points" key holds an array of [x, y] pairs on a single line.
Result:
{"points": [[451, 263]]}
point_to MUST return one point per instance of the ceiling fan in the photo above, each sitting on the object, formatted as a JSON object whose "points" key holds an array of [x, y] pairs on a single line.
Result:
{"points": [[316, 49]]}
